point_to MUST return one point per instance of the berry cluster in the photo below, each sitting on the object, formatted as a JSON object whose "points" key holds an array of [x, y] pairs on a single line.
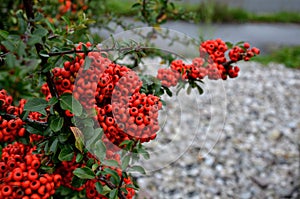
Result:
{"points": [[211, 63], [69, 5], [238, 53], [13, 127], [67, 167], [168, 77], [10, 128], [20, 174], [113, 90]]}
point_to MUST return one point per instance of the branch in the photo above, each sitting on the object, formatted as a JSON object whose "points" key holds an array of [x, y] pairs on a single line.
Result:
{"points": [[227, 64], [28, 5], [137, 48], [112, 186], [10, 116]]}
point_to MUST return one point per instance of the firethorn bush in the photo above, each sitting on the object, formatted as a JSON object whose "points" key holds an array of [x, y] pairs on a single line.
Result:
{"points": [[73, 120]]}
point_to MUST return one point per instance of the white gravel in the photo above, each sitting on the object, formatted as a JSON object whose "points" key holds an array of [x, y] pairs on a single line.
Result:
{"points": [[238, 140]]}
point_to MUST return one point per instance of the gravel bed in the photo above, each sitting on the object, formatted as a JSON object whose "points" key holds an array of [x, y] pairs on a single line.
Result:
{"points": [[238, 140]]}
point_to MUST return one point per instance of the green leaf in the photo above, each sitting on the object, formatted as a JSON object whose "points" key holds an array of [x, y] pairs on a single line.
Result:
{"points": [[40, 32], [168, 91], [138, 169], [3, 34], [10, 60], [66, 154], [68, 102], [63, 136], [77, 182], [111, 163], [34, 40], [79, 157], [8, 45], [87, 63], [189, 89], [66, 19], [106, 190], [100, 150], [21, 48], [84, 173], [113, 194], [113, 174], [78, 138], [57, 123], [229, 44], [136, 5], [99, 187], [95, 166], [52, 101], [125, 162], [144, 153], [54, 146], [50, 25], [36, 105], [200, 90]]}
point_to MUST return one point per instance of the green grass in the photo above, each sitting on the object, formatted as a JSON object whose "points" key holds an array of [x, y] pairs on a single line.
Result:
{"points": [[123, 8], [289, 56]]}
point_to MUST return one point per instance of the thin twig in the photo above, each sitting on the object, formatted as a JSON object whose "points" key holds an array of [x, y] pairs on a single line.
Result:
{"points": [[10, 116], [112, 186], [227, 64], [51, 54], [28, 5]]}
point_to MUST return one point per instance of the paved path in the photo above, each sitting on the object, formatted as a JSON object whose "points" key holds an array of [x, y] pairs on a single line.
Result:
{"points": [[263, 36], [265, 6]]}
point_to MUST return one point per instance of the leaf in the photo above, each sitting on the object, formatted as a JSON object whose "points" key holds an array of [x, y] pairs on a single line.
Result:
{"points": [[113, 174], [111, 163], [34, 40], [50, 25], [40, 32], [21, 48], [78, 138], [144, 153], [3, 34], [138, 169], [52, 101], [66, 19], [229, 44], [125, 162], [99, 187], [8, 45], [239, 43], [106, 190], [79, 157], [54, 146], [57, 123], [200, 90], [36, 105], [66, 154], [10, 60], [168, 91], [77, 182], [84, 173], [113, 194], [100, 150], [136, 5], [87, 63], [68, 102]]}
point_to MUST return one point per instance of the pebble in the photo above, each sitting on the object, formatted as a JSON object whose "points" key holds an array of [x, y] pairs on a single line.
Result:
{"points": [[237, 140]]}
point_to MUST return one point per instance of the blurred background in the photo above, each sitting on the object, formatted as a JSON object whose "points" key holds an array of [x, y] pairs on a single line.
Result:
{"points": [[252, 151]]}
